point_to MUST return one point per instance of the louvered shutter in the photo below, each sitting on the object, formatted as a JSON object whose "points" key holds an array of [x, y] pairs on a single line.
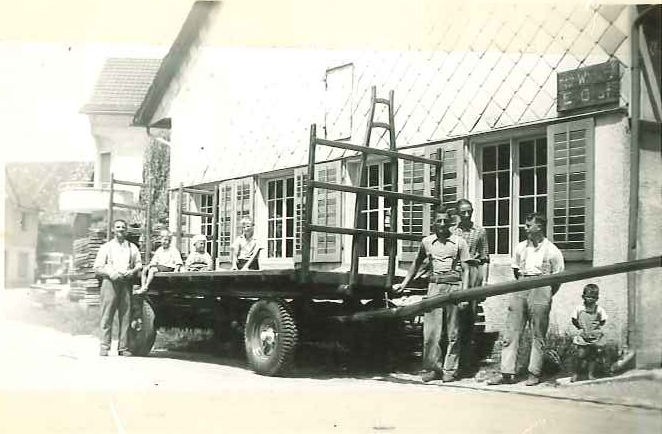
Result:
{"points": [[413, 220], [300, 179], [570, 210], [327, 212], [225, 220]]}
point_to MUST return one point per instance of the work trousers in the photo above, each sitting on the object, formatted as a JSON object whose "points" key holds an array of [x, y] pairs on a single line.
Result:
{"points": [[524, 307], [437, 321], [115, 297], [467, 321]]}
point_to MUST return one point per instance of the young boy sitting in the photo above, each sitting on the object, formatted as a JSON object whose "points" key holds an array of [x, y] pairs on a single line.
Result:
{"points": [[589, 319], [166, 258], [199, 259], [245, 249]]}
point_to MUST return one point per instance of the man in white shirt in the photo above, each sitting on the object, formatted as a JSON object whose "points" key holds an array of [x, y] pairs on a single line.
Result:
{"points": [[535, 256], [118, 263]]}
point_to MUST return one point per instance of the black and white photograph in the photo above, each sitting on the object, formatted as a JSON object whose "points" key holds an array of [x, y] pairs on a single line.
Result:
{"points": [[315, 216]]}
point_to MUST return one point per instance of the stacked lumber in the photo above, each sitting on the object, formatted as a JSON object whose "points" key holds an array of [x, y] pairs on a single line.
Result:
{"points": [[84, 283]]}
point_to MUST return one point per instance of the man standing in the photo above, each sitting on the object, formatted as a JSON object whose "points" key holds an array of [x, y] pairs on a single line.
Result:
{"points": [[444, 251], [479, 253], [118, 263], [535, 256]]}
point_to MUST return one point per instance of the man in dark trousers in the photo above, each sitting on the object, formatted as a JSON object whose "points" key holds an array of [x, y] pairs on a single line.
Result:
{"points": [[445, 251], [479, 253], [118, 263]]}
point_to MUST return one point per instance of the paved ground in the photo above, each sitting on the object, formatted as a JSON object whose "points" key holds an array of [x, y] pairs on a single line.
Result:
{"points": [[53, 381]]}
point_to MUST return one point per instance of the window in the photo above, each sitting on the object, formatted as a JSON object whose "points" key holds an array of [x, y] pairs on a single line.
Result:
{"points": [[338, 102], [235, 201], [225, 221], [549, 174], [280, 220], [375, 212], [420, 179], [207, 224], [496, 176]]}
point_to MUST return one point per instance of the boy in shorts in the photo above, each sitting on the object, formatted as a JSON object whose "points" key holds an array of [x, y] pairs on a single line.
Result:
{"points": [[166, 258], [589, 319]]}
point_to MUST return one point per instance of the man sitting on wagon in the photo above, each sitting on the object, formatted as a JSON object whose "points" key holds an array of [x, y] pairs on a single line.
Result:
{"points": [[199, 259]]}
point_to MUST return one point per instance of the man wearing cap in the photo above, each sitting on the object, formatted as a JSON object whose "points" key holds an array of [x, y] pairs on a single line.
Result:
{"points": [[166, 258], [199, 259], [445, 250], [117, 263]]}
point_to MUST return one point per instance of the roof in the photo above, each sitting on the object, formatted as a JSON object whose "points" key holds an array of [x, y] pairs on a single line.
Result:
{"points": [[122, 85], [35, 185], [188, 35]]}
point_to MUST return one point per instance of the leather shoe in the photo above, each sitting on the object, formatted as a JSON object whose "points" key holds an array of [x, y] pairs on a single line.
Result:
{"points": [[501, 379], [430, 376], [448, 377], [532, 380], [103, 352], [126, 353]]}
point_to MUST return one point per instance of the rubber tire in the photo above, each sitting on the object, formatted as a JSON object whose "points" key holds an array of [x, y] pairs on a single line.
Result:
{"points": [[141, 342], [282, 356]]}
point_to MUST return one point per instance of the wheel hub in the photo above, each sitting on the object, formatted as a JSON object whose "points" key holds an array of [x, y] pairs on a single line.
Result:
{"points": [[267, 336]]}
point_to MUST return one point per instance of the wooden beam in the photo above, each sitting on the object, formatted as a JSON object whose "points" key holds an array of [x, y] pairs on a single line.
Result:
{"points": [[377, 151], [365, 232], [373, 192], [131, 183]]}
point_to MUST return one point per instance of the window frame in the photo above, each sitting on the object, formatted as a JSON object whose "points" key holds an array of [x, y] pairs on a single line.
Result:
{"points": [[476, 146], [284, 238]]}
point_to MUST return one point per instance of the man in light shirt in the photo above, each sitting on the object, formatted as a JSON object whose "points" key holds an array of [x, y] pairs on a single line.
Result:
{"points": [[535, 256], [117, 263], [166, 258]]}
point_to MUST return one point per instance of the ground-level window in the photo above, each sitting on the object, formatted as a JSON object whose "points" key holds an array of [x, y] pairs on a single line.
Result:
{"points": [[280, 220], [375, 213], [548, 174], [235, 201], [207, 223]]}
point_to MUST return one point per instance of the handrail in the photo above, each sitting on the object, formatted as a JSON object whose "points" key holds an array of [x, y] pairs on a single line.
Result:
{"points": [[436, 301], [91, 185]]}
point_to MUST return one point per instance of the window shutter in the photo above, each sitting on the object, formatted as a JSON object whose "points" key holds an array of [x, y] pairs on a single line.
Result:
{"points": [[300, 179], [452, 181], [225, 221], [415, 180], [570, 210], [327, 212]]}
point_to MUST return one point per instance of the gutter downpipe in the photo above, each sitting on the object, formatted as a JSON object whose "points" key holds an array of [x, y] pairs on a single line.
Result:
{"points": [[633, 226]]}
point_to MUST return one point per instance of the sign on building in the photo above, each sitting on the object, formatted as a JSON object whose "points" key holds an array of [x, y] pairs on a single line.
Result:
{"points": [[588, 86]]}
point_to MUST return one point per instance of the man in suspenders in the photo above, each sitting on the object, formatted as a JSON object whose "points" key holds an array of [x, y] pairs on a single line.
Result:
{"points": [[535, 256]]}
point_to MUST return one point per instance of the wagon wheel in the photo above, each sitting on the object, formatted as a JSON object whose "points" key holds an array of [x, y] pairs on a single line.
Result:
{"points": [[142, 330], [270, 336]]}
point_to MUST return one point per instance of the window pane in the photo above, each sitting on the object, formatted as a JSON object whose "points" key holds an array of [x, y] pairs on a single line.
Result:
{"points": [[279, 189], [373, 176], [504, 157], [504, 212], [526, 182], [526, 151], [541, 180], [373, 247], [271, 248], [522, 233], [272, 209], [503, 240], [290, 208], [387, 174], [290, 186], [279, 207], [525, 208], [541, 205], [489, 158], [489, 185], [504, 184], [491, 232], [289, 248], [289, 230], [271, 190], [373, 220], [489, 213], [541, 151]]}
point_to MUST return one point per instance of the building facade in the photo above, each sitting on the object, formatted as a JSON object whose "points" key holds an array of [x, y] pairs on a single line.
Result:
{"points": [[530, 107]]}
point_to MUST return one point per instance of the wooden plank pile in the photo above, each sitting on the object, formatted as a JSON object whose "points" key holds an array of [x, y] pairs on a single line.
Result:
{"points": [[84, 283]]}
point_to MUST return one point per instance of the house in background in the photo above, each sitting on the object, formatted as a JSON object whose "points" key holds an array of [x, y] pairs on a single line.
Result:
{"points": [[120, 147], [533, 107], [34, 226]]}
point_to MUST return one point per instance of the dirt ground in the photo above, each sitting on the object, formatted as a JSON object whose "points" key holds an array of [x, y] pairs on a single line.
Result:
{"points": [[52, 380]]}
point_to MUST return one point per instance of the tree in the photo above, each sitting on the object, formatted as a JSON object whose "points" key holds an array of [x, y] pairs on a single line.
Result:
{"points": [[156, 169]]}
